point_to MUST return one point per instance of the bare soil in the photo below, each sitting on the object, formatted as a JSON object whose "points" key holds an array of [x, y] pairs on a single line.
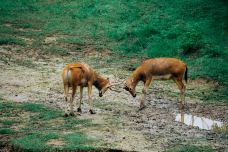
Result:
{"points": [[120, 124]]}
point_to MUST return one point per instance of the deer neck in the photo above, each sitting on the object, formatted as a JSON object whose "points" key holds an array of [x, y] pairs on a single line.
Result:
{"points": [[136, 77], [99, 82]]}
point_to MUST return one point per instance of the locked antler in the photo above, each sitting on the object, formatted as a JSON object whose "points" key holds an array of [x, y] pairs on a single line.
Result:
{"points": [[115, 84]]}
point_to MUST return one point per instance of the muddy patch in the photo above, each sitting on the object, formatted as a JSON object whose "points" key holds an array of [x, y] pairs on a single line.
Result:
{"points": [[195, 121]]}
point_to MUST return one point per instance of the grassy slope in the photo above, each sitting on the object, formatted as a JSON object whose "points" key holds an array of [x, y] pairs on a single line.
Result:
{"points": [[194, 30]]}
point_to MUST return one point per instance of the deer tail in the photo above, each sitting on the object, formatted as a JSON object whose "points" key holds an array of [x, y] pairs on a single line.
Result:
{"points": [[186, 75], [67, 76]]}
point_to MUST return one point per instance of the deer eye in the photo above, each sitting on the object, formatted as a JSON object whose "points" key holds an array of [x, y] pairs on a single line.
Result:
{"points": [[130, 89]]}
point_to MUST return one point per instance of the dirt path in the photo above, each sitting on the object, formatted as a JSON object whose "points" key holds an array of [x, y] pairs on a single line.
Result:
{"points": [[120, 123]]}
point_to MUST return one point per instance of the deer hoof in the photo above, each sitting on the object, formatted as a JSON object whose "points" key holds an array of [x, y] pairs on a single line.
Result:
{"points": [[181, 107], [72, 114], [66, 115], [142, 107], [79, 110], [92, 112]]}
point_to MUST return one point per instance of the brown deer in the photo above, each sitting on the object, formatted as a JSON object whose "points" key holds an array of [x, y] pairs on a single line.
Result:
{"points": [[158, 69], [80, 74]]}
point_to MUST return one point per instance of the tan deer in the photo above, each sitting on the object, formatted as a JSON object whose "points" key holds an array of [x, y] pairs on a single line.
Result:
{"points": [[158, 69], [80, 74]]}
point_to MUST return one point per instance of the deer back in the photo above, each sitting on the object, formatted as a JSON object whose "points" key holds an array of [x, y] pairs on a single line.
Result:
{"points": [[163, 66], [78, 74]]}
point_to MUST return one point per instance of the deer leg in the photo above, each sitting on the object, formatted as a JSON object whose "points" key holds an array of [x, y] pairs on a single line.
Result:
{"points": [[90, 98], [81, 95], [74, 89], [66, 90], [181, 87], [80, 102], [144, 91]]}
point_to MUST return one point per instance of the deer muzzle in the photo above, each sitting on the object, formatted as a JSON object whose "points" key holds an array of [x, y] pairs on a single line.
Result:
{"points": [[100, 94]]}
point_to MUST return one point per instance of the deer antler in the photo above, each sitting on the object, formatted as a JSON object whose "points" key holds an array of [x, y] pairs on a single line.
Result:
{"points": [[116, 84], [114, 90]]}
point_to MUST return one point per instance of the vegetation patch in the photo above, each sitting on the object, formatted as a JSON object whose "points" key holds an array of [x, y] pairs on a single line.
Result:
{"points": [[190, 148], [12, 40], [26, 62], [135, 28], [6, 131], [36, 128]]}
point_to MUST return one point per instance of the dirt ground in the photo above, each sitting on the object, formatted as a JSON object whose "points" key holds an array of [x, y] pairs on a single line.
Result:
{"points": [[122, 126]]}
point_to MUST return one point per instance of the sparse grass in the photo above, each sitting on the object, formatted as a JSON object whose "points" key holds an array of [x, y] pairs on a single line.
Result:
{"points": [[223, 129], [72, 123], [26, 62], [190, 148], [71, 40], [56, 50], [77, 141], [36, 127]]}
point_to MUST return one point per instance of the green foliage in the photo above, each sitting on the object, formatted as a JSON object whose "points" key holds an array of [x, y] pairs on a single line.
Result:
{"points": [[207, 67], [190, 148], [11, 40], [192, 43]]}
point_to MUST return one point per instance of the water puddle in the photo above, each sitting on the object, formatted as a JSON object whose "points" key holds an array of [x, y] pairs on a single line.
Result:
{"points": [[201, 122]]}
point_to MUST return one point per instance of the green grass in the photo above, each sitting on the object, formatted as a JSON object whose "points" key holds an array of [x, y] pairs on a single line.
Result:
{"points": [[39, 124], [43, 113], [33, 141], [190, 148], [6, 131], [193, 30], [6, 122], [77, 141], [11, 40]]}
